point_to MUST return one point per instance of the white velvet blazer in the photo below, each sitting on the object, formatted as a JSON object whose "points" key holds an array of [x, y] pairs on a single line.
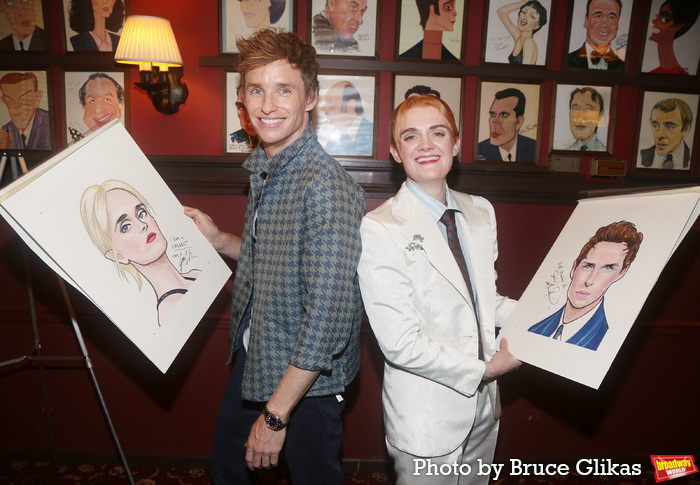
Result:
{"points": [[424, 322]]}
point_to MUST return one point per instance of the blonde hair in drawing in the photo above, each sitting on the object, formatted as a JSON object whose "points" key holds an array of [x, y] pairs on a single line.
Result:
{"points": [[93, 212]]}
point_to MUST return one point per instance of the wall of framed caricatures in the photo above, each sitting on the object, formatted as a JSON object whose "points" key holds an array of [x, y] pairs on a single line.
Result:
{"points": [[535, 51], [379, 50]]}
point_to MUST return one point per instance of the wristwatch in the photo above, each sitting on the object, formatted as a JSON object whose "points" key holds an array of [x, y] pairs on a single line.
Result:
{"points": [[272, 421]]}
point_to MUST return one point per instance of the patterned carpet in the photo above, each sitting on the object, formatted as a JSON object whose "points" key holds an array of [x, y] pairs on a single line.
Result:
{"points": [[27, 473]]}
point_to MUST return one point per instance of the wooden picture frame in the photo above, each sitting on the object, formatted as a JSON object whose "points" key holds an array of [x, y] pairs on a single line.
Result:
{"points": [[239, 135], [84, 40], [517, 134], [345, 117], [345, 28], [449, 88], [13, 23], [17, 90], [605, 24], [101, 97], [662, 29], [581, 118], [661, 131], [504, 31], [240, 18], [447, 28]]}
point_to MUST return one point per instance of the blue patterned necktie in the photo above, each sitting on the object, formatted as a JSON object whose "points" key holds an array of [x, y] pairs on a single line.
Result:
{"points": [[448, 219]]}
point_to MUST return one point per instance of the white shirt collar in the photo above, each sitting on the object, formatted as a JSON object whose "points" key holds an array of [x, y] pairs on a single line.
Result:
{"points": [[602, 64], [513, 151], [25, 42]]}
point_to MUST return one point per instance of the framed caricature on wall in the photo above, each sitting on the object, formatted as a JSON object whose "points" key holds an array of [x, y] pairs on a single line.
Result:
{"points": [[667, 125], [517, 32], [598, 34], [508, 122], [25, 114], [93, 99], [240, 18], [431, 33], [239, 134], [582, 118], [344, 27], [672, 38], [449, 89], [344, 117], [22, 26], [90, 29]]}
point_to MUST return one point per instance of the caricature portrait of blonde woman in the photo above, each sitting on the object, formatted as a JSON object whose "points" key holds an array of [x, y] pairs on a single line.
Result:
{"points": [[121, 225]]}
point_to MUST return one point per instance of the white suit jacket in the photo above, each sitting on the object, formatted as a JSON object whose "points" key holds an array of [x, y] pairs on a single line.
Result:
{"points": [[424, 322]]}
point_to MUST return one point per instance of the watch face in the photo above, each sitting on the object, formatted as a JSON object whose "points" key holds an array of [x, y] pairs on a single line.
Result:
{"points": [[272, 421]]}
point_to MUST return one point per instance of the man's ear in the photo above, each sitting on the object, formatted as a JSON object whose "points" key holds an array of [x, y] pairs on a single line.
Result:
{"points": [[519, 124], [350, 106], [311, 102]]}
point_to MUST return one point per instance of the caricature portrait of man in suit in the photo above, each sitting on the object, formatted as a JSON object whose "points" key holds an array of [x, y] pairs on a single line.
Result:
{"points": [[334, 28], [603, 260], [586, 110], [601, 24], [351, 132], [26, 35], [102, 98], [247, 134], [670, 119], [29, 126], [506, 117]]}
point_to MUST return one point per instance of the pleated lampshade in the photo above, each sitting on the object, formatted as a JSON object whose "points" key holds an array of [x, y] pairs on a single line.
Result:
{"points": [[148, 40]]}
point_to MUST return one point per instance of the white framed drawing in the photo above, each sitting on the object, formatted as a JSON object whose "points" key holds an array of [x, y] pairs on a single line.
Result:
{"points": [[518, 32], [344, 27], [101, 217], [580, 305], [240, 18], [344, 117]]}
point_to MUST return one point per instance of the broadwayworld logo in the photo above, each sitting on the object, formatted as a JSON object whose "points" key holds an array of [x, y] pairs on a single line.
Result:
{"points": [[668, 467]]}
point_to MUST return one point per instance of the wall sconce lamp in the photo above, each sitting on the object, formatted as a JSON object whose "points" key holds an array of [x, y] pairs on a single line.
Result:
{"points": [[150, 43]]}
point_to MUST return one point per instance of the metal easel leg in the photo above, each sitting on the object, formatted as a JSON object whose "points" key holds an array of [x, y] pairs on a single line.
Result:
{"points": [[48, 411], [36, 351], [91, 372]]}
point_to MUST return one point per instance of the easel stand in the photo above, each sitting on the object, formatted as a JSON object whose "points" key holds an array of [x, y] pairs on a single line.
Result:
{"points": [[35, 353]]}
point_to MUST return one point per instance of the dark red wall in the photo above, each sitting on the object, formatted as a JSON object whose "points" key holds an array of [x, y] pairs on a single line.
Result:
{"points": [[646, 404]]}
